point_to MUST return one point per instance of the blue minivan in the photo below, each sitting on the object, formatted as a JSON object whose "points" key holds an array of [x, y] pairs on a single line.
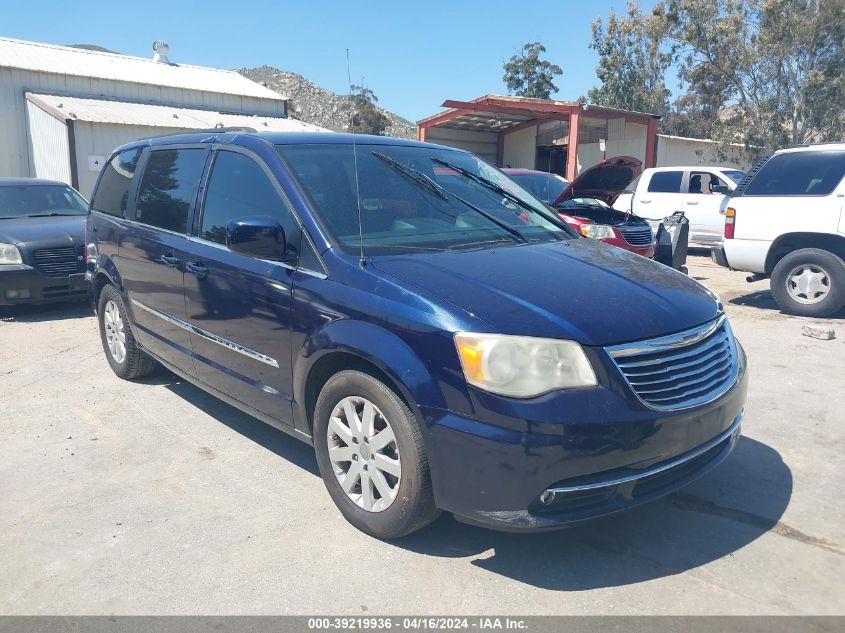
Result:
{"points": [[438, 335]]}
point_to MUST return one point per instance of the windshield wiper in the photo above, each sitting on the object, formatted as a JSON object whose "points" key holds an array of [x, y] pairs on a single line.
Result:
{"points": [[424, 181], [489, 184], [49, 214]]}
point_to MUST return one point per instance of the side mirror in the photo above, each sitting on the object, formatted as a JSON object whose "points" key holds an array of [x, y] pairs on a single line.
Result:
{"points": [[719, 189], [257, 236]]}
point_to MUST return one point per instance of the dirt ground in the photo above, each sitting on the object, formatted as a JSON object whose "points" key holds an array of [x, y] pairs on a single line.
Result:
{"points": [[155, 498]]}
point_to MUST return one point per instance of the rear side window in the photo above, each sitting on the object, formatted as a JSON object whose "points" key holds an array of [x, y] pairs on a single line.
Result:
{"points": [[112, 196], [666, 182], [239, 187], [168, 188], [799, 174]]}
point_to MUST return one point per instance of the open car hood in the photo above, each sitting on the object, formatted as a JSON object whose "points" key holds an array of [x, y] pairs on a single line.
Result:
{"points": [[604, 181]]}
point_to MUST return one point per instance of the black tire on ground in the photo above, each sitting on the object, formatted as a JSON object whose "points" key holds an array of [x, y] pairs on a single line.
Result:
{"points": [[137, 363], [833, 269], [413, 507]]}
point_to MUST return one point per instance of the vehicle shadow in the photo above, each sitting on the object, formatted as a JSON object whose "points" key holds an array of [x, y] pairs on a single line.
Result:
{"points": [[763, 300], [272, 439], [47, 312], [734, 505], [714, 517]]}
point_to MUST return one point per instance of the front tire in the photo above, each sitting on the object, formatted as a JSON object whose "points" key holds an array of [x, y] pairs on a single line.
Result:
{"points": [[371, 456], [126, 359], [809, 282]]}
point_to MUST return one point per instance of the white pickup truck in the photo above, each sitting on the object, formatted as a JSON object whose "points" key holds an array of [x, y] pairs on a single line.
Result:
{"points": [[697, 191], [787, 221]]}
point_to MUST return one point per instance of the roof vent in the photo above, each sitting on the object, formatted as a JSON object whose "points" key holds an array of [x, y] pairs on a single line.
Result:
{"points": [[160, 51]]}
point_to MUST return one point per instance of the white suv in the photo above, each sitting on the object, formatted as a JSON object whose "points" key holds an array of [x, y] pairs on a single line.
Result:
{"points": [[786, 221], [697, 191]]}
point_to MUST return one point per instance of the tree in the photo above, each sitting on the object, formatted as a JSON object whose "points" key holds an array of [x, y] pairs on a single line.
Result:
{"points": [[366, 117], [632, 63], [762, 73], [774, 68], [526, 75]]}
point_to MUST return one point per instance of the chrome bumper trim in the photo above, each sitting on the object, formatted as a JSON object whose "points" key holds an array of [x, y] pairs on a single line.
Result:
{"points": [[734, 428]]}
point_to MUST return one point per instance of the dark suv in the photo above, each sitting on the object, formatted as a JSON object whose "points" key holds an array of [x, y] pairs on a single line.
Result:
{"points": [[438, 334]]}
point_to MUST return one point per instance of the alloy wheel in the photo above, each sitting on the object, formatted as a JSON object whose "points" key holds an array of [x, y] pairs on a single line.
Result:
{"points": [[115, 334], [808, 283], [364, 453]]}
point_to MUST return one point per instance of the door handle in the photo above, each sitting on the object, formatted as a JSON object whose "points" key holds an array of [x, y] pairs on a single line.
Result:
{"points": [[692, 203], [198, 269], [169, 260], [645, 201]]}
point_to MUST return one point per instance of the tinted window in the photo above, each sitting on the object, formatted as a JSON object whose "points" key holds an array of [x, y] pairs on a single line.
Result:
{"points": [[168, 188], [665, 182], [112, 195], [799, 174], [238, 187]]}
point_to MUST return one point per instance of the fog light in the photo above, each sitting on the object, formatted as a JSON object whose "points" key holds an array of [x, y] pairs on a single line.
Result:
{"points": [[18, 294], [547, 497]]}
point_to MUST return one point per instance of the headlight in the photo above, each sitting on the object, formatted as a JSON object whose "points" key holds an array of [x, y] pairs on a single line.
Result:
{"points": [[9, 254], [522, 366], [598, 231]]}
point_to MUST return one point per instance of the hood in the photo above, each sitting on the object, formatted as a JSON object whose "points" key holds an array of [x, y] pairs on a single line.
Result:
{"points": [[604, 181], [578, 289], [53, 229]]}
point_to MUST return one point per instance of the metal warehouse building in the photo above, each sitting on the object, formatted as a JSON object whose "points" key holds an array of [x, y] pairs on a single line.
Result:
{"points": [[63, 110]]}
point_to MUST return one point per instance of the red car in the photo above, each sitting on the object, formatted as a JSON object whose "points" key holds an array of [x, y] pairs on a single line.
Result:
{"points": [[585, 203]]}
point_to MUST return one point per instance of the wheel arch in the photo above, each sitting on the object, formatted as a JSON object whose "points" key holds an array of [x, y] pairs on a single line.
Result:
{"points": [[789, 242], [350, 344]]}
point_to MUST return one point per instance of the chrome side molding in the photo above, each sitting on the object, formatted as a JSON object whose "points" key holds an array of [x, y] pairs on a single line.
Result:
{"points": [[193, 329]]}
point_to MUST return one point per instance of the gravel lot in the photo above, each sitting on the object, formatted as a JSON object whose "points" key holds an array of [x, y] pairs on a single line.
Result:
{"points": [[154, 498]]}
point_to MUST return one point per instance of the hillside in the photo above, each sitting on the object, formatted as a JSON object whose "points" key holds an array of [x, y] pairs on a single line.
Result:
{"points": [[313, 104]]}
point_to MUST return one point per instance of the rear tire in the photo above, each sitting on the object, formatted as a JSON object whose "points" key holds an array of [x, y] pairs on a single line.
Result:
{"points": [[126, 359], [809, 282], [354, 414]]}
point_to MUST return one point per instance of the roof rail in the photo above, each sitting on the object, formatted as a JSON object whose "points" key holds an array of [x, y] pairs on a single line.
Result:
{"points": [[211, 130]]}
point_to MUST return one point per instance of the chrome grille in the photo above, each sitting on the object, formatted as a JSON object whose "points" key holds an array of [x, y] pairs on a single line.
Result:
{"points": [[57, 262], [636, 234], [681, 370]]}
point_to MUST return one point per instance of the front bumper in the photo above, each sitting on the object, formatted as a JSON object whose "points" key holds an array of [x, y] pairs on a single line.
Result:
{"points": [[645, 251], [22, 284], [595, 450]]}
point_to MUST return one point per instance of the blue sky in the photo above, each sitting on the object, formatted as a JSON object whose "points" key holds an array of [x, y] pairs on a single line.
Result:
{"points": [[412, 55]]}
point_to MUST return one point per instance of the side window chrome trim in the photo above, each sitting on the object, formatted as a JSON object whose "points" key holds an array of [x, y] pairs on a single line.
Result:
{"points": [[193, 329], [223, 247]]}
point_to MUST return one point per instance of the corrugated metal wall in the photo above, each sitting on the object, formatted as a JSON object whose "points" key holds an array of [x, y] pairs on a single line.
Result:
{"points": [[49, 149], [95, 141], [14, 144], [673, 150], [624, 139], [482, 143], [520, 148]]}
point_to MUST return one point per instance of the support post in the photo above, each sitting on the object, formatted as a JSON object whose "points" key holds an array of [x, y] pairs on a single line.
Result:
{"points": [[651, 144], [572, 148]]}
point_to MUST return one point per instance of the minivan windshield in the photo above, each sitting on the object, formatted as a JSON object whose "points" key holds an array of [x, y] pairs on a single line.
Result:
{"points": [[27, 201], [416, 199]]}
